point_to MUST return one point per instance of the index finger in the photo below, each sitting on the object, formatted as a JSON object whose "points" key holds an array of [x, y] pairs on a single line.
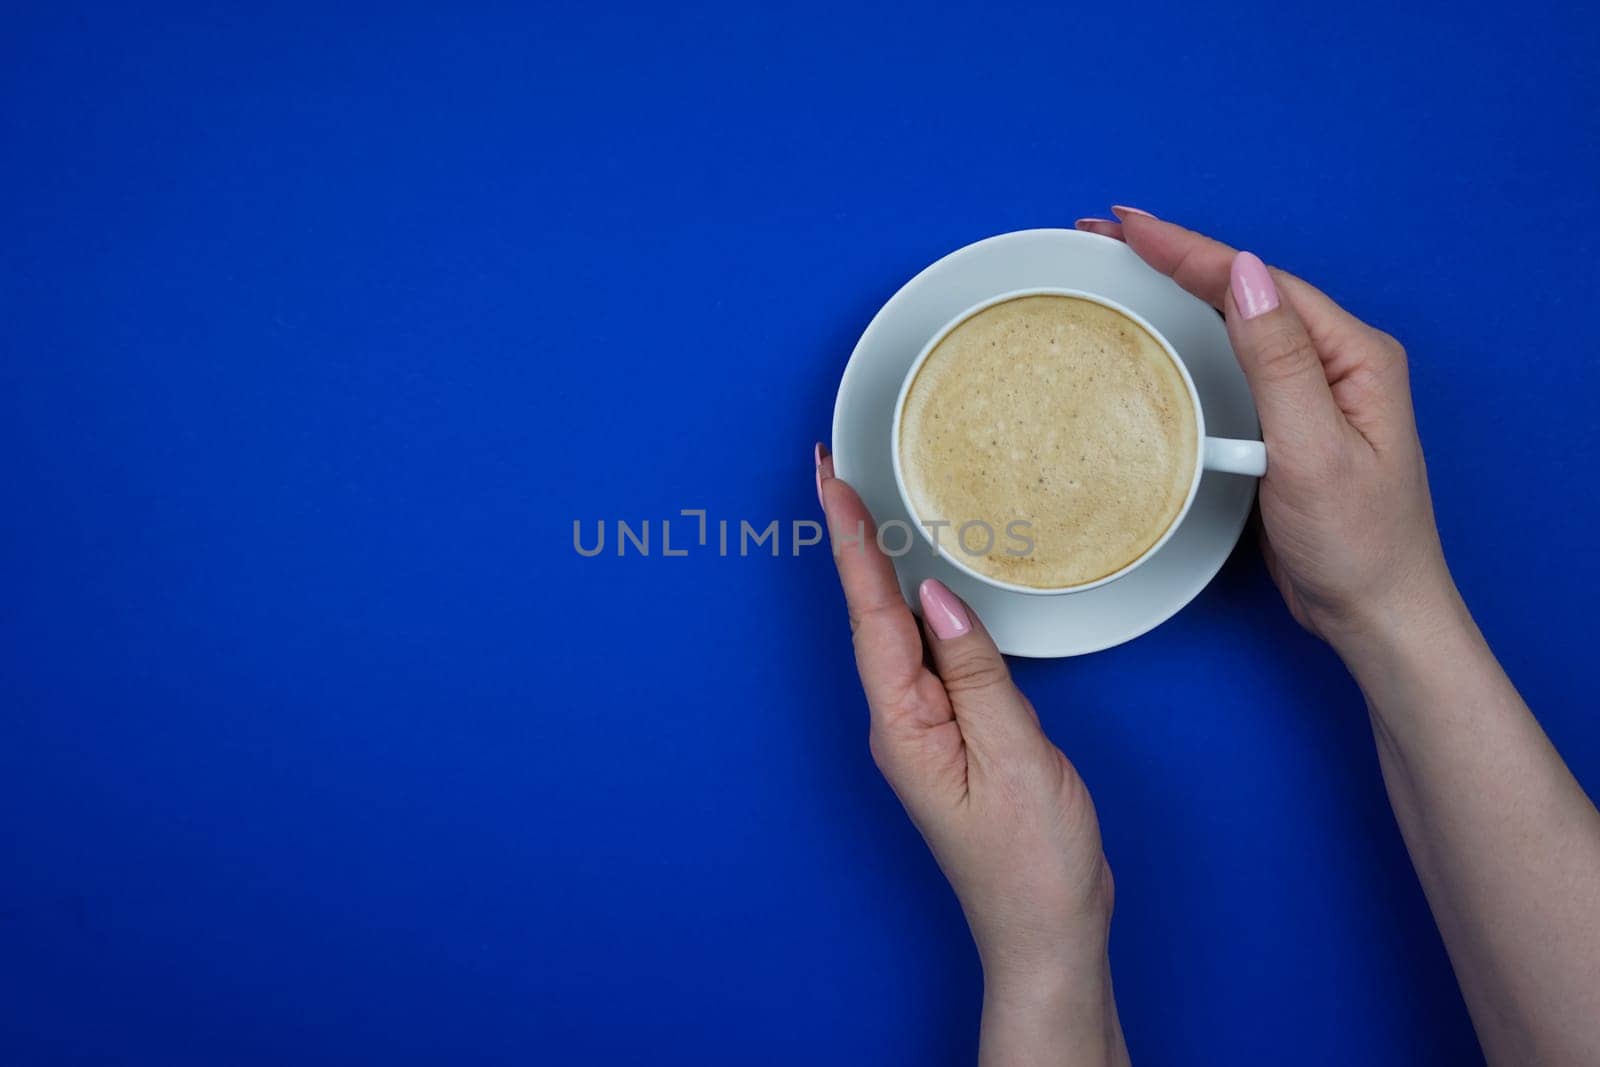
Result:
{"points": [[1201, 265], [887, 639], [1193, 260]]}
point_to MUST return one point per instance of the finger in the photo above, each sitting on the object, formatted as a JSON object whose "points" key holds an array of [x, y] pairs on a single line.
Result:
{"points": [[888, 644], [1103, 227], [994, 717], [1202, 265], [824, 460], [1193, 260], [1279, 361]]}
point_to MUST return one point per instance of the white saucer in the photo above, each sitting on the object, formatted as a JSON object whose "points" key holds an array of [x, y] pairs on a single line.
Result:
{"points": [[1071, 624]]}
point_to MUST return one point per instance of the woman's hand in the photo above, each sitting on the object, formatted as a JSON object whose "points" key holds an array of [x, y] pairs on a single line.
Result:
{"points": [[1349, 530], [1006, 815], [1505, 842]]}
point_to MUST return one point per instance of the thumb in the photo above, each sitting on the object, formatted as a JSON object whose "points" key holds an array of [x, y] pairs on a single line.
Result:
{"points": [[992, 714], [1278, 358]]}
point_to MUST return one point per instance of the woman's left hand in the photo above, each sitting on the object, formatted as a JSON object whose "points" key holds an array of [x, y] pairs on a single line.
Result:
{"points": [[1006, 815]]}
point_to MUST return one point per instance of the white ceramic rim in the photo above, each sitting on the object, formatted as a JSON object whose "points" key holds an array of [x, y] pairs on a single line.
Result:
{"points": [[1105, 302]]}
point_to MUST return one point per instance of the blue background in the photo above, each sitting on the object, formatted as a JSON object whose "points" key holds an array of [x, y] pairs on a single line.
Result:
{"points": [[319, 327]]}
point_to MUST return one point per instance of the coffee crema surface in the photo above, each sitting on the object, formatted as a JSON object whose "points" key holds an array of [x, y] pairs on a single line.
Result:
{"points": [[1058, 412]]}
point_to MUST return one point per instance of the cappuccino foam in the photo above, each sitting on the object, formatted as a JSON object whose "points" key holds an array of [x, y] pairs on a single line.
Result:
{"points": [[1057, 412]]}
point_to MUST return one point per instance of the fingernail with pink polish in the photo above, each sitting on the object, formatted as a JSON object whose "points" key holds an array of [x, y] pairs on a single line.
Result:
{"points": [[1121, 210], [1253, 290], [818, 454], [946, 615]]}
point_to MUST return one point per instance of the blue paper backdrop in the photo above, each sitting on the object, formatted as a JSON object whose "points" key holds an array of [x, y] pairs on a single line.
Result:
{"points": [[320, 325]]}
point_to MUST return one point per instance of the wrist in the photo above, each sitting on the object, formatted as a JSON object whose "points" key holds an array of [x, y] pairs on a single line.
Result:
{"points": [[1068, 1012], [1406, 615], [1405, 650], [1079, 963], [1068, 990]]}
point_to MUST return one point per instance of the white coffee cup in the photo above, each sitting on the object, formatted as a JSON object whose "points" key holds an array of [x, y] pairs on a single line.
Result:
{"points": [[1222, 454]]}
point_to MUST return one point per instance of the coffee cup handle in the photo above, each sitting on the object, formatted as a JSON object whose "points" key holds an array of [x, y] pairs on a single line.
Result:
{"points": [[1235, 457]]}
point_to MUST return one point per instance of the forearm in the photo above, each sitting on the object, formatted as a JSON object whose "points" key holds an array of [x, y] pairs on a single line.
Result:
{"points": [[1068, 1017], [1505, 842]]}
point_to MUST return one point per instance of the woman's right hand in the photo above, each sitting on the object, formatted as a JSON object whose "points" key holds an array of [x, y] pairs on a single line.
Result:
{"points": [[1349, 531], [1505, 843]]}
